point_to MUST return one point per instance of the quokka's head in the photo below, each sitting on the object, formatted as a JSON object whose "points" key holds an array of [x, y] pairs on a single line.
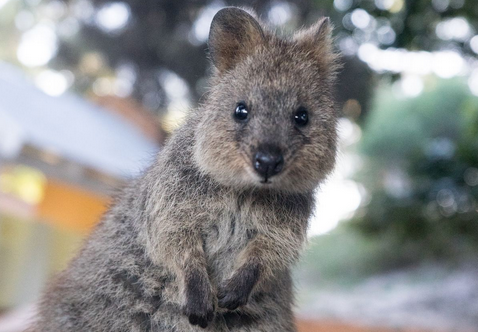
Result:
{"points": [[269, 120]]}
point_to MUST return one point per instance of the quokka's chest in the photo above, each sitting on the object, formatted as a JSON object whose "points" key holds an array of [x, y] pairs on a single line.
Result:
{"points": [[226, 235]]}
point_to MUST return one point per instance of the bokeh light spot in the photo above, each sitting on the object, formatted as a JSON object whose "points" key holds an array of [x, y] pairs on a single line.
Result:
{"points": [[37, 46], [113, 16]]}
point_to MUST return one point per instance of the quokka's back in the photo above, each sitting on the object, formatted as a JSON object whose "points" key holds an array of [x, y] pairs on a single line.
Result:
{"points": [[207, 236]]}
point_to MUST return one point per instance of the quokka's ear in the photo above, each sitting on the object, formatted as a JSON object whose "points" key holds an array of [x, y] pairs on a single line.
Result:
{"points": [[233, 36], [318, 40]]}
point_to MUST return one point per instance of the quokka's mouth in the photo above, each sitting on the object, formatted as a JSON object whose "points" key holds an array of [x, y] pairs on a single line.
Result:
{"points": [[265, 179]]}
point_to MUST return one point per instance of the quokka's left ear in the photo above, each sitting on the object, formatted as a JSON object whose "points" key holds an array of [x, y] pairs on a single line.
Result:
{"points": [[234, 35], [318, 40]]}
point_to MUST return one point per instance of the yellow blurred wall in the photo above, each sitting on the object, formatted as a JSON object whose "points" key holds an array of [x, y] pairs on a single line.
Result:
{"points": [[30, 251], [70, 207]]}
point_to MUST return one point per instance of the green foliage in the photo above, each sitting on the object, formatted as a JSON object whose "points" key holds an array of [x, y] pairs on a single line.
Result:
{"points": [[421, 170], [344, 258]]}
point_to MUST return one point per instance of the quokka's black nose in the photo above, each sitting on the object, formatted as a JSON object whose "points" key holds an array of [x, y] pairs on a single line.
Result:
{"points": [[268, 163]]}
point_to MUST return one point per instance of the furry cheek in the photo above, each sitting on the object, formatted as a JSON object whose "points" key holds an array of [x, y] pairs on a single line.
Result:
{"points": [[218, 155], [310, 166]]}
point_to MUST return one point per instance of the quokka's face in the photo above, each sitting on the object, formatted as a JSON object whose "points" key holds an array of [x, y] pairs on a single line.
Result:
{"points": [[269, 120]]}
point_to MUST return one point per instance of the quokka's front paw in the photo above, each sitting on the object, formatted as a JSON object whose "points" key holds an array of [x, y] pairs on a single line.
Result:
{"points": [[235, 292], [200, 316], [231, 299], [199, 306]]}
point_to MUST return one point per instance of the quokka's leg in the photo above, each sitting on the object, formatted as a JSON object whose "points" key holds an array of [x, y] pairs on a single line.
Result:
{"points": [[180, 249], [263, 257]]}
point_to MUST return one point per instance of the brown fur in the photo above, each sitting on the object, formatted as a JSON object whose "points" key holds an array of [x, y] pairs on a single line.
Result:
{"points": [[199, 239]]}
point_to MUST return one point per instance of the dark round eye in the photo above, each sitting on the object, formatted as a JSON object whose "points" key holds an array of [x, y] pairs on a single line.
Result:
{"points": [[301, 116], [241, 113]]}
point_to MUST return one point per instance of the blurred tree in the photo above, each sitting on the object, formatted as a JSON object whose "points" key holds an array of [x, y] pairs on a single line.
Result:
{"points": [[421, 170], [409, 24], [154, 50], [165, 40]]}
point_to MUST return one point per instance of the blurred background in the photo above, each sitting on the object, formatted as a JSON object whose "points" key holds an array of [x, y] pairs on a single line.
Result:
{"points": [[90, 89]]}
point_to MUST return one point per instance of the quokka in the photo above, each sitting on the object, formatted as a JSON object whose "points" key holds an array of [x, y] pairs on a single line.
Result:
{"points": [[206, 237]]}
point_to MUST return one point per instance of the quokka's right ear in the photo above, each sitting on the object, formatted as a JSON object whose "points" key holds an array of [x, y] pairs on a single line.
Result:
{"points": [[233, 36], [318, 40]]}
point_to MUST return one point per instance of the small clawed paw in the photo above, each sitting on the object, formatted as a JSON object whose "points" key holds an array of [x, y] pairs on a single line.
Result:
{"points": [[235, 291], [231, 300], [200, 316]]}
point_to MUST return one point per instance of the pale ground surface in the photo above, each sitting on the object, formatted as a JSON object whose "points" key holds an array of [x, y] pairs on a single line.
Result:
{"points": [[431, 298]]}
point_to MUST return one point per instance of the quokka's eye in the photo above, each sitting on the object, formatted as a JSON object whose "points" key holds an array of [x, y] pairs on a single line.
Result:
{"points": [[301, 116], [241, 113]]}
